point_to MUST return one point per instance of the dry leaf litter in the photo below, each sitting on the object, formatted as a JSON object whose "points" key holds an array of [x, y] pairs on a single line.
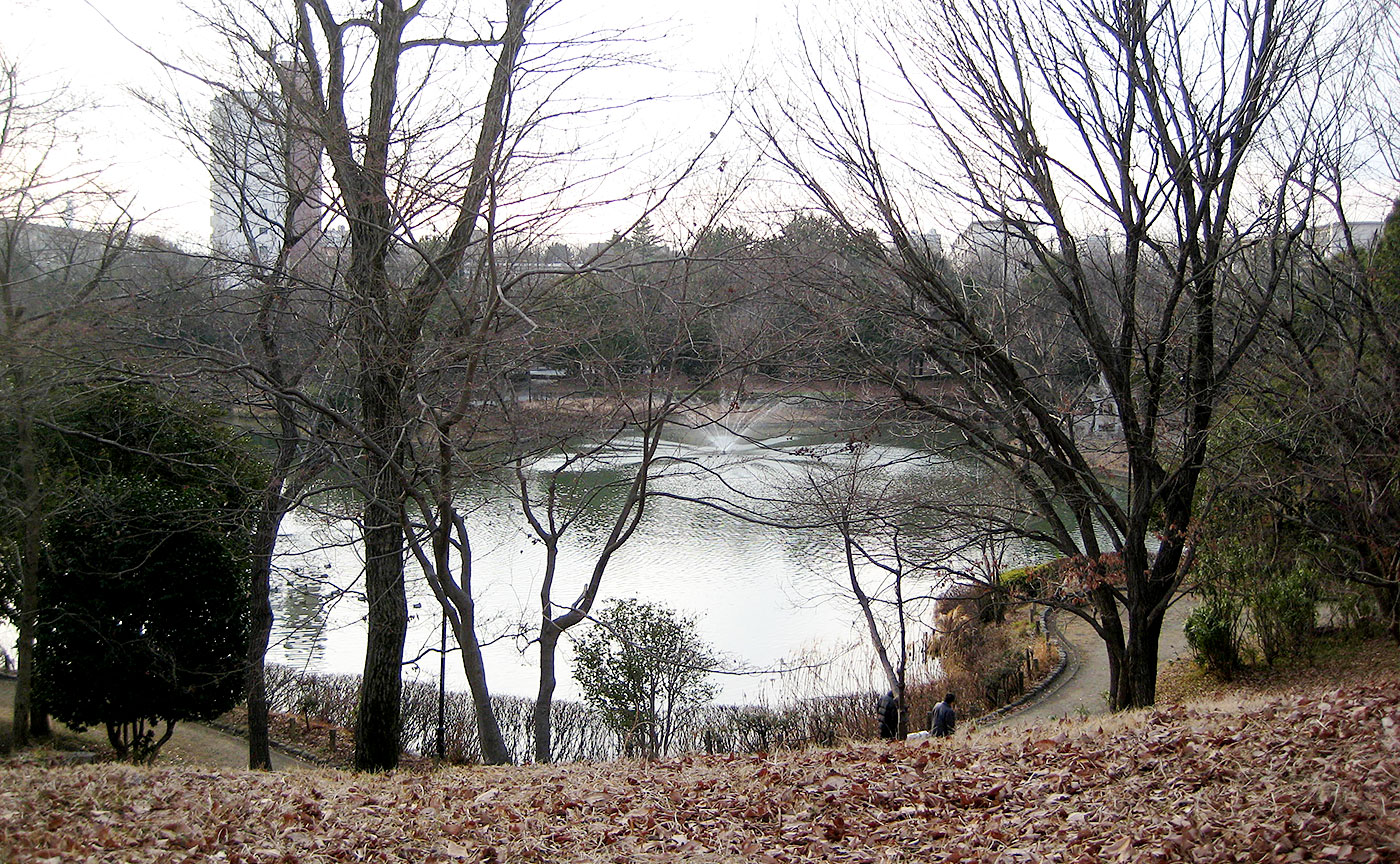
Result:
{"points": [[1291, 779]]}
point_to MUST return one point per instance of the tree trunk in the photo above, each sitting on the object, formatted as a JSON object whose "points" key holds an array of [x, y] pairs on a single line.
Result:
{"points": [[29, 719], [260, 627], [629, 516], [493, 743], [1388, 599], [255, 695], [274, 505], [1150, 584], [544, 700], [378, 729], [1110, 630], [1139, 689], [24, 648]]}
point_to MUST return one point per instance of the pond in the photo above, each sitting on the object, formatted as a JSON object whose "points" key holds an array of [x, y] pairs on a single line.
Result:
{"points": [[767, 598]]}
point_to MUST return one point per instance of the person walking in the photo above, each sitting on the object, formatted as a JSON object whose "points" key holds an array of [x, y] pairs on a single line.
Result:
{"points": [[943, 719]]}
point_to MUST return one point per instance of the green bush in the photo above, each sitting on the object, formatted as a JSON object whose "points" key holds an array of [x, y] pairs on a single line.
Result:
{"points": [[1213, 632], [1354, 608], [1258, 589], [645, 668], [1283, 614], [144, 607], [143, 579], [1029, 581]]}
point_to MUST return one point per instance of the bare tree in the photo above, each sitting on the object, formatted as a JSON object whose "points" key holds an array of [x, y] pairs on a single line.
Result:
{"points": [[270, 276], [623, 325], [556, 501], [436, 279], [377, 125], [569, 496], [390, 316], [1051, 121], [889, 567]]}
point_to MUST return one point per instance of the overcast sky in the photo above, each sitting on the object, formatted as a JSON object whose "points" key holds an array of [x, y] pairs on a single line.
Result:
{"points": [[89, 46], [704, 42]]}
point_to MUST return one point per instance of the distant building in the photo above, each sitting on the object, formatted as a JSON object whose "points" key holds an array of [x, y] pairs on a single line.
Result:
{"points": [[993, 252], [1331, 239], [1097, 248], [929, 241], [262, 157]]}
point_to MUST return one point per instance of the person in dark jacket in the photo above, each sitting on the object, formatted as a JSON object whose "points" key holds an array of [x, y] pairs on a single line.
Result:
{"points": [[943, 719], [888, 710]]}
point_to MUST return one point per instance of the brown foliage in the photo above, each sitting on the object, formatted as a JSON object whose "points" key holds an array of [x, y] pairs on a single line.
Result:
{"points": [[1290, 779], [1069, 578], [981, 660]]}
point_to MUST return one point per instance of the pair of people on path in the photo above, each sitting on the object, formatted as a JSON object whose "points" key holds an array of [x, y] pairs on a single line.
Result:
{"points": [[942, 720]]}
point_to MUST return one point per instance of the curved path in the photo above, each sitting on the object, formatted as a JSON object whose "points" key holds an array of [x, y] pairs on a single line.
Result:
{"points": [[1081, 690], [192, 744], [197, 744]]}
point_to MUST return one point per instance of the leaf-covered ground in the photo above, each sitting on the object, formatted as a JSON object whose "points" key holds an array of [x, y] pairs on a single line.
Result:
{"points": [[1288, 779]]}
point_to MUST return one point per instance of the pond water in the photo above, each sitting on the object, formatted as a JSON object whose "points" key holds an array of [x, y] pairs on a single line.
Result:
{"points": [[766, 598]]}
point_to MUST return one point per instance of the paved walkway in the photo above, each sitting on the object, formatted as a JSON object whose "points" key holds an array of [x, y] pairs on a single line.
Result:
{"points": [[1082, 689]]}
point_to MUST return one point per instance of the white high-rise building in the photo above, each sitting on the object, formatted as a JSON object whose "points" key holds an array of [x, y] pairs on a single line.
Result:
{"points": [[263, 162], [993, 252], [1332, 239]]}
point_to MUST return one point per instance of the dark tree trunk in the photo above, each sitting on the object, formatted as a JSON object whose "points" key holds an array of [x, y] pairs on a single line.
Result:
{"points": [[552, 629], [629, 516], [1388, 598], [493, 743], [1139, 688], [260, 627], [274, 506], [459, 598], [544, 700], [255, 695], [378, 730], [1110, 629], [385, 345], [24, 706]]}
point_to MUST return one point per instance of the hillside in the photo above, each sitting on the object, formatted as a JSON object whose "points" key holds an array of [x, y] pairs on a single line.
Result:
{"points": [[1285, 777]]}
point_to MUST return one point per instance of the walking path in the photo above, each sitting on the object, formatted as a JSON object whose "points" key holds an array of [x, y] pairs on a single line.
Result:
{"points": [[192, 744], [1081, 689]]}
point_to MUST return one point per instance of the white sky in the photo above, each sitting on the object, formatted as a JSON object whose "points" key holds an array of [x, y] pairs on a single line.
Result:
{"points": [[703, 41], [58, 42]]}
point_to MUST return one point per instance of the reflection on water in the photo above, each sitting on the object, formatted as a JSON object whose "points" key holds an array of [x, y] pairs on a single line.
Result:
{"points": [[765, 597], [301, 600], [316, 606]]}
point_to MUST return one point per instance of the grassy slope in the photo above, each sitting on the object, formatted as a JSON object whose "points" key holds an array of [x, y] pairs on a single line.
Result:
{"points": [[1289, 769]]}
